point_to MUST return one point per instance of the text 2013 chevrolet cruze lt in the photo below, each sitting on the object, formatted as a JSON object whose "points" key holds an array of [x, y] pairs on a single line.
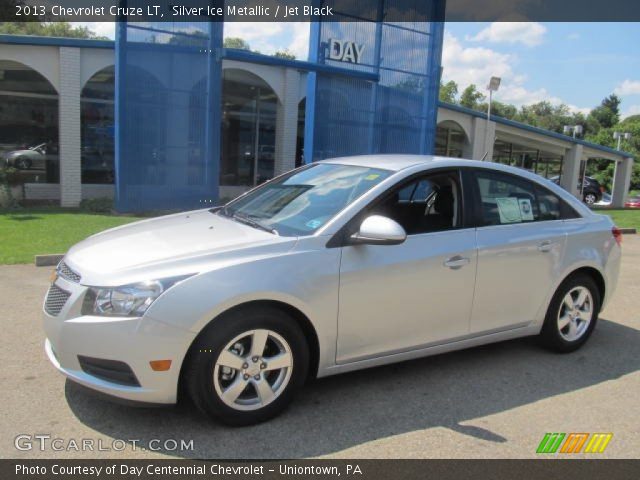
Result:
{"points": [[337, 266]]}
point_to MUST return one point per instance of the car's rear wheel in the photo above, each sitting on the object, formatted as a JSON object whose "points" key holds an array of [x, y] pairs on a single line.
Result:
{"points": [[246, 366], [572, 314]]}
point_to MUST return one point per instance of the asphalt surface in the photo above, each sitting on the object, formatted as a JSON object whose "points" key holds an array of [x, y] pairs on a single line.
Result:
{"points": [[495, 401]]}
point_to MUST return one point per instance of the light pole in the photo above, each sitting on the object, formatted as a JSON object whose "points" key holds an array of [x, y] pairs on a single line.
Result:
{"points": [[572, 130], [494, 85], [618, 136], [621, 135]]}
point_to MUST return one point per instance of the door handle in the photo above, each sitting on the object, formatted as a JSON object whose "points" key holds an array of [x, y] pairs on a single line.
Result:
{"points": [[456, 262], [545, 246]]}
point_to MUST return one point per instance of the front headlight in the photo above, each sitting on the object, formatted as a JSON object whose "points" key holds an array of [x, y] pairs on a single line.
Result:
{"points": [[126, 301]]}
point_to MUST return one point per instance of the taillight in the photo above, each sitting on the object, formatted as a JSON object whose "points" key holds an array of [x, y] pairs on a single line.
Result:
{"points": [[617, 234], [601, 189]]}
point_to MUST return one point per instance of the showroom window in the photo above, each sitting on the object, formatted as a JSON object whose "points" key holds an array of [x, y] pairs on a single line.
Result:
{"points": [[248, 129], [450, 140], [28, 124], [97, 128], [545, 164]]}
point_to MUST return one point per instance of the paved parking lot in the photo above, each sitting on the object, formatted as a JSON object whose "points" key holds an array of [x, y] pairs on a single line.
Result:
{"points": [[490, 402]]}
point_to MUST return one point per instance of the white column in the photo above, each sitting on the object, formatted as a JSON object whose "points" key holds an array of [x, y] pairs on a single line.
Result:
{"points": [[479, 144], [69, 127], [287, 123], [621, 182], [571, 170]]}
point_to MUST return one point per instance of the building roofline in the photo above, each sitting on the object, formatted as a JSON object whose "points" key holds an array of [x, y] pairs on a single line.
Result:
{"points": [[541, 131], [56, 41]]}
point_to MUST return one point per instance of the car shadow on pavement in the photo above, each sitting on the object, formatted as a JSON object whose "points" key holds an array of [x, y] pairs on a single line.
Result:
{"points": [[344, 411]]}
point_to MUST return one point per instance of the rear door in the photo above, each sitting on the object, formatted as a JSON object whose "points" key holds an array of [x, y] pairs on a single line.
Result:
{"points": [[520, 241]]}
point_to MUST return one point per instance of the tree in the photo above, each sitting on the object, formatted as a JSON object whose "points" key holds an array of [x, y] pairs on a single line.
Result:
{"points": [[448, 92], [500, 109], [286, 53], [471, 97], [48, 29], [602, 170], [237, 43], [606, 115]]}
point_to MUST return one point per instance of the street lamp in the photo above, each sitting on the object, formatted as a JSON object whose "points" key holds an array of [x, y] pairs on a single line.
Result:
{"points": [[621, 135], [494, 85], [572, 130]]}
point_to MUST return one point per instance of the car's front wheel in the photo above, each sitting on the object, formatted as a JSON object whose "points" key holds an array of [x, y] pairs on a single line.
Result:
{"points": [[590, 199], [572, 314], [22, 163], [246, 366]]}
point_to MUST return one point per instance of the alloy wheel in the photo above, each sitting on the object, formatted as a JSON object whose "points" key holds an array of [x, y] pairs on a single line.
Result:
{"points": [[253, 369], [575, 313]]}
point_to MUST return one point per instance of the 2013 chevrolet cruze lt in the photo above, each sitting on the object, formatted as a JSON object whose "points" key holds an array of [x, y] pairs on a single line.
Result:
{"points": [[337, 266]]}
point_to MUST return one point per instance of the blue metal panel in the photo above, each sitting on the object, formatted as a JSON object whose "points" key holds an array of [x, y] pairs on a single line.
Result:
{"points": [[398, 113], [168, 100], [55, 41]]}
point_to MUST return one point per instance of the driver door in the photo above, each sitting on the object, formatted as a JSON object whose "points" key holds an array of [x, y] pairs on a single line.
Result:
{"points": [[395, 298]]}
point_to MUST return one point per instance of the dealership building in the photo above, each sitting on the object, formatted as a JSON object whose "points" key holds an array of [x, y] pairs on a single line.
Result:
{"points": [[165, 118]]}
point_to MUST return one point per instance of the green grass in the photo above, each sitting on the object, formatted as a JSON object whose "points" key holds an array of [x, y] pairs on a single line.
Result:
{"points": [[27, 232], [629, 218]]}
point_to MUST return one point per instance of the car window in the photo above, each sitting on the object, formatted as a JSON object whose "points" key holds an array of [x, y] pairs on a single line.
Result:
{"points": [[423, 205], [553, 207], [506, 199]]}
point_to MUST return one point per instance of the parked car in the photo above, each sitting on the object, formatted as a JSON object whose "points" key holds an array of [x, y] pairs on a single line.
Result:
{"points": [[633, 202], [26, 158], [591, 191], [336, 266]]}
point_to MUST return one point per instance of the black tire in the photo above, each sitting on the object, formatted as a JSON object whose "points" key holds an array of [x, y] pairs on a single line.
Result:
{"points": [[590, 199], [22, 163], [201, 361], [551, 336]]}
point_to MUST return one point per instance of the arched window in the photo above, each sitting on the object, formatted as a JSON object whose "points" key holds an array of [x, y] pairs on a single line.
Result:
{"points": [[450, 140], [248, 129], [97, 127], [28, 124]]}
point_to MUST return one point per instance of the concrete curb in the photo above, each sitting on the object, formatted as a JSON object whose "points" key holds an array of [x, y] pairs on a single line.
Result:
{"points": [[628, 231], [48, 260]]}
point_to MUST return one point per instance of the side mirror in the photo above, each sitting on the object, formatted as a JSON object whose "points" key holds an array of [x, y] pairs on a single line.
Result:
{"points": [[379, 230]]}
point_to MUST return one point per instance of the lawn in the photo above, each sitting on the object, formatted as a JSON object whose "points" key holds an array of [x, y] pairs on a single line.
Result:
{"points": [[629, 218], [27, 232]]}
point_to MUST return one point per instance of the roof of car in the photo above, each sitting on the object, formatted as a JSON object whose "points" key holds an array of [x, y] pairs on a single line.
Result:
{"points": [[394, 162]]}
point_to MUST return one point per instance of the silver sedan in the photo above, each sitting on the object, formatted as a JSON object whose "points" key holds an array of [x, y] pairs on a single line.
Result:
{"points": [[336, 266]]}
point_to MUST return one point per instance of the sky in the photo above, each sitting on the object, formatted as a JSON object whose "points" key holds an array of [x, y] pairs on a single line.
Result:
{"points": [[573, 63]]}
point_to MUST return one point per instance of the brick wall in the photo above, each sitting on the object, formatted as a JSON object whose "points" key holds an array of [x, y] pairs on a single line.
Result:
{"points": [[69, 114]]}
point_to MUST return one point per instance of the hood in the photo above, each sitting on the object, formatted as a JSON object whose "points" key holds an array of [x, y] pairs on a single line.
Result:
{"points": [[176, 242]]}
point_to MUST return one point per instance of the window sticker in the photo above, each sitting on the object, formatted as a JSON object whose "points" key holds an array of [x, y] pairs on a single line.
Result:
{"points": [[526, 212], [372, 176], [315, 223], [509, 210]]}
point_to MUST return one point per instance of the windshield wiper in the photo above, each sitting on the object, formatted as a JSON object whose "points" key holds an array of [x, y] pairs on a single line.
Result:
{"points": [[253, 223]]}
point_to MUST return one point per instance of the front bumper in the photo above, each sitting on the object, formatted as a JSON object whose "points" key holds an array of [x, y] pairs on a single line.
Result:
{"points": [[134, 341]]}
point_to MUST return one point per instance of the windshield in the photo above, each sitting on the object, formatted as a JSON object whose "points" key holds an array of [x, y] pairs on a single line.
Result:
{"points": [[304, 200]]}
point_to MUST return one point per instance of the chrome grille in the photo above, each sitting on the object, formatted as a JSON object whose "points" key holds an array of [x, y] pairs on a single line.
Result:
{"points": [[56, 298], [65, 272]]}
